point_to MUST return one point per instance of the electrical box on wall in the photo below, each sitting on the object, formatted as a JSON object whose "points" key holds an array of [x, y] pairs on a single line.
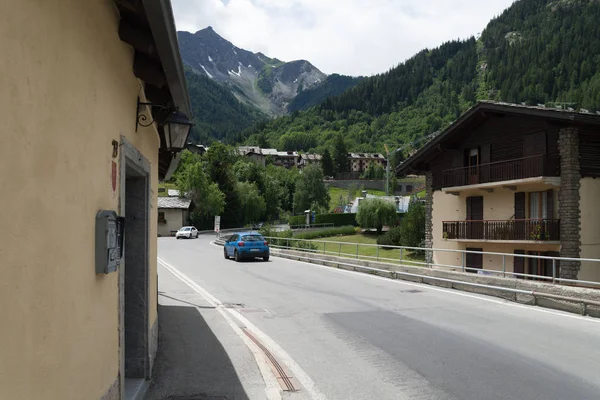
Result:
{"points": [[109, 241]]}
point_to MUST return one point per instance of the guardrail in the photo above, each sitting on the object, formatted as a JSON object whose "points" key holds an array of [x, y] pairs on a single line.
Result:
{"points": [[405, 256], [395, 274]]}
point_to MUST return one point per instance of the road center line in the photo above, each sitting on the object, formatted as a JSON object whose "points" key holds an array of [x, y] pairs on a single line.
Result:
{"points": [[273, 388]]}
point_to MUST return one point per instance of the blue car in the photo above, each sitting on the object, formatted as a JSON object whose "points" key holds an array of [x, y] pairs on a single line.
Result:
{"points": [[246, 245]]}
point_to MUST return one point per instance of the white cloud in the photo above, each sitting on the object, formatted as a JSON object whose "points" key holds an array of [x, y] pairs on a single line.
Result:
{"points": [[353, 37]]}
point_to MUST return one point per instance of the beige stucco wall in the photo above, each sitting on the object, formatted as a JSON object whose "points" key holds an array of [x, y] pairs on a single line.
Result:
{"points": [[499, 205], [590, 228], [67, 91], [174, 221]]}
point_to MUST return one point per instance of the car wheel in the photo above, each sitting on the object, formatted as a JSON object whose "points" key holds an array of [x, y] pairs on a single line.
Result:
{"points": [[236, 255], [225, 254], [266, 258], [177, 237]]}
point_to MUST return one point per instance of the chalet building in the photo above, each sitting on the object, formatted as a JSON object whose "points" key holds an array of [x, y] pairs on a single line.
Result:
{"points": [[514, 179], [308, 159], [359, 162], [96, 106]]}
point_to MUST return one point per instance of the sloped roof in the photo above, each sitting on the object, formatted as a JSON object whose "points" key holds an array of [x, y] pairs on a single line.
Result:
{"points": [[174, 202], [479, 111]]}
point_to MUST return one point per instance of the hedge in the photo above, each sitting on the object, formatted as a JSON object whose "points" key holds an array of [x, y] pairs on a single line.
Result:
{"points": [[335, 219], [327, 232]]}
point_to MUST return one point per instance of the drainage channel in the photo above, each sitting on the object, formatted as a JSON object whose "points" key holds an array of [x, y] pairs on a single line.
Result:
{"points": [[285, 380]]}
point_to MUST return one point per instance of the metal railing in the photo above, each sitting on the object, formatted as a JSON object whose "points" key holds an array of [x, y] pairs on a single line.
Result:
{"points": [[519, 168], [395, 274], [517, 229], [418, 256]]}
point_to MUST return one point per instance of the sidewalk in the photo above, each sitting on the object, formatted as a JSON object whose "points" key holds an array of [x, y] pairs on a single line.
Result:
{"points": [[199, 356]]}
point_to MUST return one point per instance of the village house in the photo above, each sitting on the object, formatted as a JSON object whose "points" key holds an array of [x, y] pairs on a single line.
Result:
{"points": [[514, 179], [97, 106], [308, 159], [173, 213], [359, 162]]}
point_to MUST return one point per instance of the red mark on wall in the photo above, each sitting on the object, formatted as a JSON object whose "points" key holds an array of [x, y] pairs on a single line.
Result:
{"points": [[114, 176]]}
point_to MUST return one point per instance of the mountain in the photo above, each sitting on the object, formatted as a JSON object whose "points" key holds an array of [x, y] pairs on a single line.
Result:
{"points": [[333, 85], [254, 79], [535, 52], [217, 112]]}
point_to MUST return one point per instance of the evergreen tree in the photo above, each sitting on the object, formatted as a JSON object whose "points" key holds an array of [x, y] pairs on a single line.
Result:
{"points": [[327, 163], [340, 155]]}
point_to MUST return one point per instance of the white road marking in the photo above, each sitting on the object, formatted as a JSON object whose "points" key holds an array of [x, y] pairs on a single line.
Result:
{"points": [[273, 389], [449, 291]]}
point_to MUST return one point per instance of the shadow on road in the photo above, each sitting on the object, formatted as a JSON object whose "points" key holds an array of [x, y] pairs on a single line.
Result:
{"points": [[191, 362]]}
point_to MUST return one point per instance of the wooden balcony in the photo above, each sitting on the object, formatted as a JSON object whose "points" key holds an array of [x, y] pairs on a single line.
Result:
{"points": [[541, 230], [520, 168]]}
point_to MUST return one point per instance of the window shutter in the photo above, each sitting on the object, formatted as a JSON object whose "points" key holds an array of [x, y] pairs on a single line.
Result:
{"points": [[550, 203], [519, 263], [520, 205]]}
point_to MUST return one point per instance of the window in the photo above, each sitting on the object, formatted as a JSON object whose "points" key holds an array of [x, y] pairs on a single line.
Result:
{"points": [[253, 238], [541, 205], [473, 158], [409, 188], [161, 217]]}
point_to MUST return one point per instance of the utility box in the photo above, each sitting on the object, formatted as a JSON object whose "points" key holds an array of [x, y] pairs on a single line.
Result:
{"points": [[109, 241]]}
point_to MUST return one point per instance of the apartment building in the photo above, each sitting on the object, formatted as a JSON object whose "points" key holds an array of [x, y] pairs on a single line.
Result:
{"points": [[514, 179], [359, 162]]}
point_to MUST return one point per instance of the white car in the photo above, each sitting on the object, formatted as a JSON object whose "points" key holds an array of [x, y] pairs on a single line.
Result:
{"points": [[187, 232]]}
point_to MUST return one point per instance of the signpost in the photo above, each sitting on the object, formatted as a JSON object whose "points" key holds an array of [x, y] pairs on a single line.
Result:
{"points": [[217, 224]]}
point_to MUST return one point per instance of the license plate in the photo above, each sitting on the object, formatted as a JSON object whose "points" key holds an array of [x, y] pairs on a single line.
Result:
{"points": [[254, 249]]}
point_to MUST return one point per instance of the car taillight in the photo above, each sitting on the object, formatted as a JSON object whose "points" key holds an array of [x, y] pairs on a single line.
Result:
{"points": [[266, 243], [241, 244]]}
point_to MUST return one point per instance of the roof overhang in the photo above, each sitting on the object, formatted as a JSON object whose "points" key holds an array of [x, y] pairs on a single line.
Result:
{"points": [[149, 27], [477, 114]]}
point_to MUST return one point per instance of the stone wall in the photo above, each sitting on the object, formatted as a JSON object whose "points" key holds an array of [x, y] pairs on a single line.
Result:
{"points": [[568, 198]]}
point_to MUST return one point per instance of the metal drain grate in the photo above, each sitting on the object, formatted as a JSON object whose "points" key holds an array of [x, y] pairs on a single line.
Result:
{"points": [[233, 305], [197, 397], [411, 291]]}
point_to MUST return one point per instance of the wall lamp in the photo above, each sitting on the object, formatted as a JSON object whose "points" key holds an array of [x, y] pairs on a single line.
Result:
{"points": [[175, 123]]}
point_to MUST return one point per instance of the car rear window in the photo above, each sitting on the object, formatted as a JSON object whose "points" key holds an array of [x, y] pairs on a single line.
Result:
{"points": [[253, 238]]}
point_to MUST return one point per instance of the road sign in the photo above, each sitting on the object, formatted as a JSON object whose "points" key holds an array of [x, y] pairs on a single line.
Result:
{"points": [[217, 223]]}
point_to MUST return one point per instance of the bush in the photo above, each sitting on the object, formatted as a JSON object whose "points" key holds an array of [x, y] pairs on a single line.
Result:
{"points": [[412, 228], [391, 237], [327, 232]]}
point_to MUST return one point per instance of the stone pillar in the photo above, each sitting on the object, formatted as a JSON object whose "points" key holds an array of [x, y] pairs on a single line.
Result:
{"points": [[568, 201], [429, 216]]}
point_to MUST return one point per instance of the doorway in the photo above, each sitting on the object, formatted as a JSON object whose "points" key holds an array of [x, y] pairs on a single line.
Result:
{"points": [[474, 261], [134, 273]]}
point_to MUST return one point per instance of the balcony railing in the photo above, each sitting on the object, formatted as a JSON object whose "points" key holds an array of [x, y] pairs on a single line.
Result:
{"points": [[520, 168], [519, 229]]}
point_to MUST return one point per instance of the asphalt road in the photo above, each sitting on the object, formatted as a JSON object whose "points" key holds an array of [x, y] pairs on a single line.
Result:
{"points": [[346, 335]]}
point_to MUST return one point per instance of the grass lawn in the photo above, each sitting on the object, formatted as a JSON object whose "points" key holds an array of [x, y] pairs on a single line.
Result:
{"points": [[349, 247], [335, 193], [167, 186]]}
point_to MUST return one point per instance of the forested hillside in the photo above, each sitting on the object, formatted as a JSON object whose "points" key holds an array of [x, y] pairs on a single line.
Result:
{"points": [[537, 51], [217, 113], [333, 85]]}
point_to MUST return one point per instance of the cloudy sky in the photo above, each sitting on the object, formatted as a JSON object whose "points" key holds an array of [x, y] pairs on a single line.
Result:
{"points": [[353, 37]]}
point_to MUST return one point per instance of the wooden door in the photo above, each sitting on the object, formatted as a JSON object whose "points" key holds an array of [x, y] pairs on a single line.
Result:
{"points": [[474, 216], [533, 145], [474, 261], [519, 231]]}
